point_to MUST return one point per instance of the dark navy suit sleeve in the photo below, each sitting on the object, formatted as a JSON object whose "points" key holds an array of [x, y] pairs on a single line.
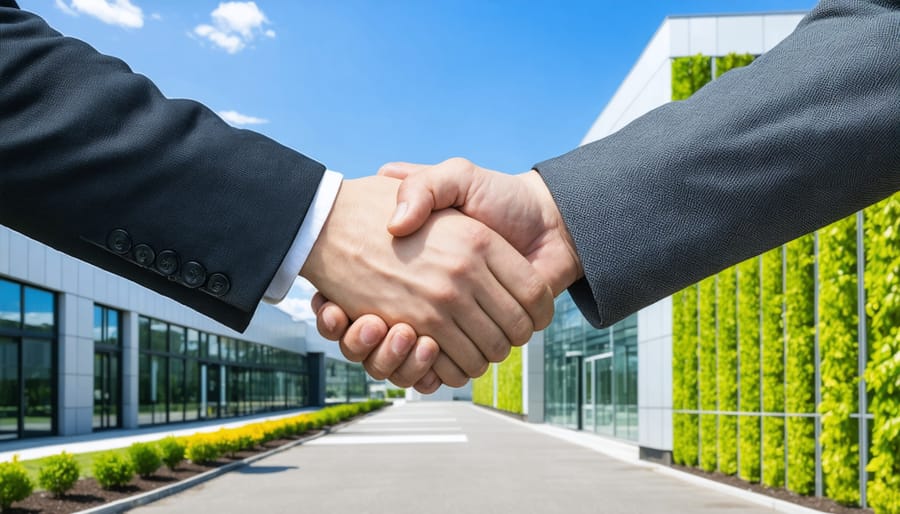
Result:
{"points": [[807, 134], [95, 162]]}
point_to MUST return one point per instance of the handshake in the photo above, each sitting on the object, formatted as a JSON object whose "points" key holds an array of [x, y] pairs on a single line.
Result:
{"points": [[443, 268]]}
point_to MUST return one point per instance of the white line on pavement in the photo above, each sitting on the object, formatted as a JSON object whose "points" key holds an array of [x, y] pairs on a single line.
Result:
{"points": [[398, 429], [406, 420], [337, 439]]}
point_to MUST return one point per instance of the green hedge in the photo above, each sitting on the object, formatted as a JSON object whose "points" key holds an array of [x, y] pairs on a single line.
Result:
{"points": [[772, 367], [800, 371], [838, 345], [726, 315], [509, 382], [686, 427], [483, 388], [689, 74], [678, 371], [882, 278], [707, 378], [748, 344]]}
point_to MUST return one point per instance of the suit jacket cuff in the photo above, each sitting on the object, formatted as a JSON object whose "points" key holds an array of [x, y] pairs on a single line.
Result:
{"points": [[306, 237]]}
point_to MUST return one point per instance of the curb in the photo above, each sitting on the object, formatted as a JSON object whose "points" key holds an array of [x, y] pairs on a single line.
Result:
{"points": [[138, 500]]}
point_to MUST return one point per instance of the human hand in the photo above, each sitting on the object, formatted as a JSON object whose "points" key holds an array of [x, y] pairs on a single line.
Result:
{"points": [[519, 207], [454, 280]]}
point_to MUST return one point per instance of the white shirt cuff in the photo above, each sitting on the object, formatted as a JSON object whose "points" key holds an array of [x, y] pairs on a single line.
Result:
{"points": [[309, 231]]}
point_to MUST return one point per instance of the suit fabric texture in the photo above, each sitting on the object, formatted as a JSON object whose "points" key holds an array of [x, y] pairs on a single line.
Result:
{"points": [[805, 135], [96, 162]]}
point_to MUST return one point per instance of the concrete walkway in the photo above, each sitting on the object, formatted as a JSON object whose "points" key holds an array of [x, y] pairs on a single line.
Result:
{"points": [[28, 449], [450, 458]]}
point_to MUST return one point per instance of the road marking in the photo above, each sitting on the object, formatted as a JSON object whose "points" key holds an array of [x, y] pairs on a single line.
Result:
{"points": [[398, 429], [407, 420], [338, 439]]}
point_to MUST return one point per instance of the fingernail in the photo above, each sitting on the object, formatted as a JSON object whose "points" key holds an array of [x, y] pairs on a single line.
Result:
{"points": [[329, 320], [369, 335], [424, 353], [401, 343], [399, 213]]}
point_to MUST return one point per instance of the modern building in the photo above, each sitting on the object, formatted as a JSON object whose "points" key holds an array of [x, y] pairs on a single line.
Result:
{"points": [[83, 350], [772, 370]]}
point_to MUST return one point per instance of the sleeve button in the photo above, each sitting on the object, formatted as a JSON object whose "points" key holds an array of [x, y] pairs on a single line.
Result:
{"points": [[144, 255], [218, 284], [118, 241], [167, 262], [193, 274]]}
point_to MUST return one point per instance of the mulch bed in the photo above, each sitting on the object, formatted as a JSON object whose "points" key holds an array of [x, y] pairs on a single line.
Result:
{"points": [[812, 502], [87, 493]]}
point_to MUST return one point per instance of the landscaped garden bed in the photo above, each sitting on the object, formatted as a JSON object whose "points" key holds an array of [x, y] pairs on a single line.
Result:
{"points": [[86, 481]]}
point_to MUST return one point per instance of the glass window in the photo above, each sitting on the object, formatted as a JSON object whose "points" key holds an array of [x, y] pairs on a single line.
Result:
{"points": [[144, 333], [193, 343], [10, 305], [213, 347], [112, 327], [98, 324], [37, 374], [177, 341], [176, 390], [9, 388], [158, 331], [152, 389], [39, 310], [191, 390]]}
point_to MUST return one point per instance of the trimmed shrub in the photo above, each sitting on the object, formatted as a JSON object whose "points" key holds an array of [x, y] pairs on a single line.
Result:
{"points": [[771, 291], [707, 374], [800, 374], [395, 393], [509, 382], [144, 459], [882, 222], [171, 451], [748, 344], [15, 485], [839, 348], [59, 474], [726, 369], [112, 470], [202, 449]]}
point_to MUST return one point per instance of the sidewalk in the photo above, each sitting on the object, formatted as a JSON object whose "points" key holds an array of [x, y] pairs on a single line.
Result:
{"points": [[28, 449], [449, 458]]}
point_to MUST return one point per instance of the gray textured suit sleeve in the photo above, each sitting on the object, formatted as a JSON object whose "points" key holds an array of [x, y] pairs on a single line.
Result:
{"points": [[805, 135], [95, 162]]}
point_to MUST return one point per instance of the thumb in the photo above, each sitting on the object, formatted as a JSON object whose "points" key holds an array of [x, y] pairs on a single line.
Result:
{"points": [[401, 170], [423, 191]]}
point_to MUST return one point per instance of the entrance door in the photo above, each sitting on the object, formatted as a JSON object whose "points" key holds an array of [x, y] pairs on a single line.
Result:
{"points": [[38, 397], [604, 408], [9, 389], [106, 390], [213, 377]]}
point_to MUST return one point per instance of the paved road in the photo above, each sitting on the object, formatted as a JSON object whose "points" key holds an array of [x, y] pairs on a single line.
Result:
{"points": [[453, 458]]}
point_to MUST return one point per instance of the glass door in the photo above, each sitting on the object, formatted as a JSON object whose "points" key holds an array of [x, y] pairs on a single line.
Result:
{"points": [[604, 409], [106, 390], [38, 397], [588, 395], [9, 389]]}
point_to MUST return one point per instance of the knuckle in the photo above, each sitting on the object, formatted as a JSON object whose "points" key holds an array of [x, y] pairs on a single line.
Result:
{"points": [[399, 380], [460, 163], [481, 369], [521, 331], [497, 350], [376, 371]]}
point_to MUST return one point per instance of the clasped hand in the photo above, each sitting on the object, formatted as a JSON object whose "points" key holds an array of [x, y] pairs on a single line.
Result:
{"points": [[443, 292]]}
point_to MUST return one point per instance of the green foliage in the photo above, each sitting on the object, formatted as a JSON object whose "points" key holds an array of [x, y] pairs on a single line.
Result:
{"points": [[171, 451], [772, 367], [509, 382], [678, 337], [748, 343], [686, 437], [800, 371], [838, 346], [707, 377], [726, 369], [203, 449], [395, 393], [59, 474], [689, 74], [112, 470], [483, 388], [144, 459], [731, 61], [882, 278], [15, 484]]}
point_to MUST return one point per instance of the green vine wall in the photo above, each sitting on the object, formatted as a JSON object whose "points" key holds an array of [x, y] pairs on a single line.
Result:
{"points": [[726, 369], [707, 379], [772, 368], [749, 348]]}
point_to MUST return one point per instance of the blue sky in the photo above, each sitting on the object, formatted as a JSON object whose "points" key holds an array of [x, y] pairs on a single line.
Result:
{"points": [[357, 83]]}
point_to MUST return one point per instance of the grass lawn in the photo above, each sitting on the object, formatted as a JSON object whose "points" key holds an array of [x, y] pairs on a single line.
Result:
{"points": [[85, 462]]}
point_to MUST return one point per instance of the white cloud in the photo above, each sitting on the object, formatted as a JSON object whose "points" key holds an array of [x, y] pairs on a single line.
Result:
{"points": [[64, 7], [297, 301], [236, 118], [113, 12], [156, 16], [234, 25]]}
